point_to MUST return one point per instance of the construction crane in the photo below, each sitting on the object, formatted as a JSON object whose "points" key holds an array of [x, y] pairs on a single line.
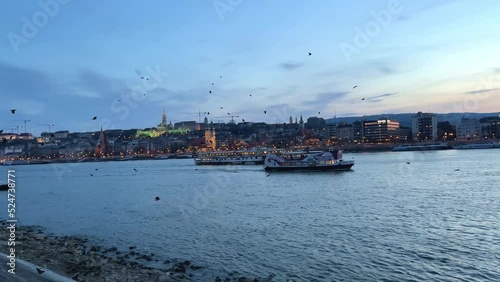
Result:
{"points": [[228, 116], [46, 124], [199, 113], [16, 128], [25, 121]]}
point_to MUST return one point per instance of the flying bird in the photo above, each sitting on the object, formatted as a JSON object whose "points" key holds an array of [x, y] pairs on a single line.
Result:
{"points": [[94, 118], [228, 114], [265, 112], [221, 108], [310, 54], [213, 83], [209, 91], [319, 113], [96, 169], [220, 76], [91, 175], [147, 78], [407, 162], [13, 111], [363, 99], [354, 86], [142, 77], [243, 119], [157, 198], [135, 169], [11, 137]]}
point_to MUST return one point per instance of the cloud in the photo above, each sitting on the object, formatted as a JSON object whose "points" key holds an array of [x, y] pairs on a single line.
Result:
{"points": [[290, 65], [481, 91], [378, 98], [325, 98], [22, 82], [386, 69], [92, 84]]}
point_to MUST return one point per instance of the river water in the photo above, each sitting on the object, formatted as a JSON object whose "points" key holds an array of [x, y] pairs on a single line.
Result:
{"points": [[436, 218]]}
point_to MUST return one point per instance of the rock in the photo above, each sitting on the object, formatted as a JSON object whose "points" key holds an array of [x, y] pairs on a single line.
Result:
{"points": [[165, 278], [40, 236], [187, 262], [112, 249], [195, 267], [131, 247], [218, 279], [146, 257], [132, 253], [93, 248], [246, 279], [179, 268], [166, 261]]}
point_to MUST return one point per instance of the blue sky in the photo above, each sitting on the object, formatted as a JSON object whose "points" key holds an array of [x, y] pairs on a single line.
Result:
{"points": [[438, 56]]}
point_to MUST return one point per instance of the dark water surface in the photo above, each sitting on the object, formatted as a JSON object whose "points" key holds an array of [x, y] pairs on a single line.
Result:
{"points": [[437, 218]]}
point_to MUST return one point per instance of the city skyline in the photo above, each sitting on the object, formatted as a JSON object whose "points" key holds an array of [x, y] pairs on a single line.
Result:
{"points": [[90, 55]]}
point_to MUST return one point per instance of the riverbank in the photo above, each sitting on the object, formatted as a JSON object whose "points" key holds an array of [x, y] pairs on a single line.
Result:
{"points": [[79, 259]]}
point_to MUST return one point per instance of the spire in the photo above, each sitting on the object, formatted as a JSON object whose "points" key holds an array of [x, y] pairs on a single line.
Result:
{"points": [[164, 118]]}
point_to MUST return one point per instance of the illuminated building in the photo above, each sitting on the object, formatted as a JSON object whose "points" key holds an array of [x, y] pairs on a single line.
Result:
{"points": [[381, 131], [468, 129], [210, 139], [163, 126], [102, 148], [424, 127]]}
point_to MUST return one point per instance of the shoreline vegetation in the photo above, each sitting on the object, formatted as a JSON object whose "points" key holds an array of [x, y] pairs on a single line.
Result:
{"points": [[80, 259]]}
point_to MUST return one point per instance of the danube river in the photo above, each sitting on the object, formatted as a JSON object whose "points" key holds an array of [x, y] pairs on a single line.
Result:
{"points": [[434, 219]]}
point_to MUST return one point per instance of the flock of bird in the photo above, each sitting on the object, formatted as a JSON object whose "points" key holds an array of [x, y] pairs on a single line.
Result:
{"points": [[13, 111]]}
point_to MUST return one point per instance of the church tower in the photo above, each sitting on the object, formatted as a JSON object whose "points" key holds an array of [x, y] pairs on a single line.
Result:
{"points": [[164, 118], [102, 148], [301, 122], [210, 139]]}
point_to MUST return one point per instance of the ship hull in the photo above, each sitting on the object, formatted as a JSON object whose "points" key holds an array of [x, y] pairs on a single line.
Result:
{"points": [[340, 167], [231, 163]]}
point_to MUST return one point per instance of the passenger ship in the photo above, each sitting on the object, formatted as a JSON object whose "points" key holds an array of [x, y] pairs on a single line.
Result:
{"points": [[307, 161], [490, 145], [241, 157]]}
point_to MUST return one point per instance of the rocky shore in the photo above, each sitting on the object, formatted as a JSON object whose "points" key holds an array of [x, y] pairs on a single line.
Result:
{"points": [[79, 259]]}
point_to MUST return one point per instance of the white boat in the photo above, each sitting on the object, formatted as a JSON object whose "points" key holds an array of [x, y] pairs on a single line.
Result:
{"points": [[16, 162], [425, 147], [476, 146], [242, 157], [307, 161]]}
